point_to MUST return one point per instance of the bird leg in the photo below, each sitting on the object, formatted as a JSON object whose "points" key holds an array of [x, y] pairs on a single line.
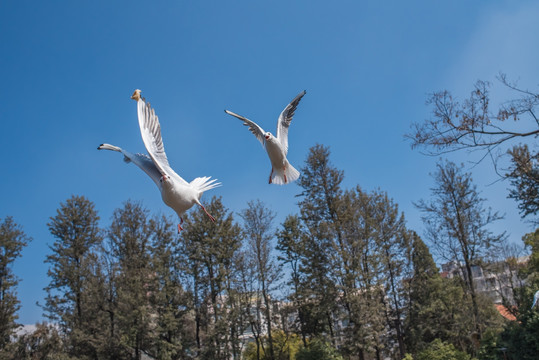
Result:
{"points": [[270, 176], [207, 213], [284, 173], [180, 225]]}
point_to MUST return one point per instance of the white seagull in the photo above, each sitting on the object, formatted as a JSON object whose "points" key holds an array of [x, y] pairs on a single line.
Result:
{"points": [[276, 147], [175, 191]]}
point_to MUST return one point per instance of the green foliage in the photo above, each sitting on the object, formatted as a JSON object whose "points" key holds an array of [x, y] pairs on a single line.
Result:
{"points": [[72, 264], [521, 337], [286, 347], [318, 350], [524, 177], [45, 343], [12, 241], [439, 350]]}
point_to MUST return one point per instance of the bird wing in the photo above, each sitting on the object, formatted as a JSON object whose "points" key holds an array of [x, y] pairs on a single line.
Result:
{"points": [[144, 162], [150, 130], [253, 127], [535, 299], [285, 119]]}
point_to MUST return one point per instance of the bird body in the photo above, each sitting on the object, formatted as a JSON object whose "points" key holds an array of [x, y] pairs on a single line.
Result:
{"points": [[282, 172], [176, 193]]}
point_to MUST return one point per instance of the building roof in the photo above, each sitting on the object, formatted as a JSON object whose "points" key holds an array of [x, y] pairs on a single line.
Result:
{"points": [[505, 312]]}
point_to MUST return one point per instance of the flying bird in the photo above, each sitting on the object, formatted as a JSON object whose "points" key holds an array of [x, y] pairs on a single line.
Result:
{"points": [[535, 298], [175, 191], [282, 172]]}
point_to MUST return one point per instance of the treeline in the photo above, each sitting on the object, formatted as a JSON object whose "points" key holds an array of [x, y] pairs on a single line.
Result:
{"points": [[344, 278]]}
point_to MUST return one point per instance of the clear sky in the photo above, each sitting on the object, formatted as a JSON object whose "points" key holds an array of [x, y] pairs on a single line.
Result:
{"points": [[68, 68]]}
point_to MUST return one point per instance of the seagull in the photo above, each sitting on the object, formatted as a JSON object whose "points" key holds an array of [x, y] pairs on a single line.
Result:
{"points": [[535, 298], [175, 191], [276, 147]]}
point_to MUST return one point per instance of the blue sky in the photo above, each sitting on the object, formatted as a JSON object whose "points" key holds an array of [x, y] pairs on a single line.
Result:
{"points": [[68, 69]]}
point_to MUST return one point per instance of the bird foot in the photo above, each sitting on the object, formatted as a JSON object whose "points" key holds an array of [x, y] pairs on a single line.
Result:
{"points": [[207, 213]]}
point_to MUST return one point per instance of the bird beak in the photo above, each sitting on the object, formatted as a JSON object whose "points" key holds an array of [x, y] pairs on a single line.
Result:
{"points": [[267, 137]]}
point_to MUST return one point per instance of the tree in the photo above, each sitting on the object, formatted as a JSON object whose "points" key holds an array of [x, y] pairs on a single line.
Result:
{"points": [[318, 350], [77, 234], [290, 247], [211, 251], [438, 307], [172, 335], [457, 222], [438, 350], [129, 244], [46, 342], [472, 125], [524, 177], [258, 228], [321, 189], [12, 241]]}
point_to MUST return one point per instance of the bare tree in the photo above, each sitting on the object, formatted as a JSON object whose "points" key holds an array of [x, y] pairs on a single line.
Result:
{"points": [[472, 124]]}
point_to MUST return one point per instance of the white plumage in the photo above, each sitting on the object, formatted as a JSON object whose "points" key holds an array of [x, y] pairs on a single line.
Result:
{"points": [[175, 191], [282, 172]]}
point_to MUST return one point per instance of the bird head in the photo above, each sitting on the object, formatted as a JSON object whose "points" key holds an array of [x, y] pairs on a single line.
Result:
{"points": [[267, 135], [164, 179], [136, 95]]}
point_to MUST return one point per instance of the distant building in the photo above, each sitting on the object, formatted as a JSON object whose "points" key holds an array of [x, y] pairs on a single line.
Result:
{"points": [[496, 280]]}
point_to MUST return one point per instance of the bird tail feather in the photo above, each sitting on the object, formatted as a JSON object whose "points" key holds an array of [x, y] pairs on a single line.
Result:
{"points": [[279, 175], [204, 183]]}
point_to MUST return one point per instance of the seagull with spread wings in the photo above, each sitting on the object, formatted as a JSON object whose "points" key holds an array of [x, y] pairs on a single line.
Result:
{"points": [[276, 147], [175, 191]]}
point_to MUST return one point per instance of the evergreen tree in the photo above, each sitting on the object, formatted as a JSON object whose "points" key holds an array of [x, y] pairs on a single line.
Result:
{"points": [[77, 234], [129, 244], [12, 241], [318, 208], [172, 333]]}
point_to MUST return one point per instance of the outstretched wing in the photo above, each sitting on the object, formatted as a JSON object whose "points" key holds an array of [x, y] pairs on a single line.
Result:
{"points": [[285, 119], [150, 130], [253, 127]]}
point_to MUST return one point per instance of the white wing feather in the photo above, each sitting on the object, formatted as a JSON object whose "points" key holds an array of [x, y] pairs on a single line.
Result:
{"points": [[253, 127], [285, 119], [150, 130]]}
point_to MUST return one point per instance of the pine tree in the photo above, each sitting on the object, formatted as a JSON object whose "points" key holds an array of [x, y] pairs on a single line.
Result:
{"points": [[129, 244], [12, 241], [77, 234], [318, 208]]}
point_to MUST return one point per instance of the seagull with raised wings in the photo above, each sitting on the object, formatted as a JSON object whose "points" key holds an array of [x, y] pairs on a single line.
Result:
{"points": [[175, 191], [282, 172]]}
